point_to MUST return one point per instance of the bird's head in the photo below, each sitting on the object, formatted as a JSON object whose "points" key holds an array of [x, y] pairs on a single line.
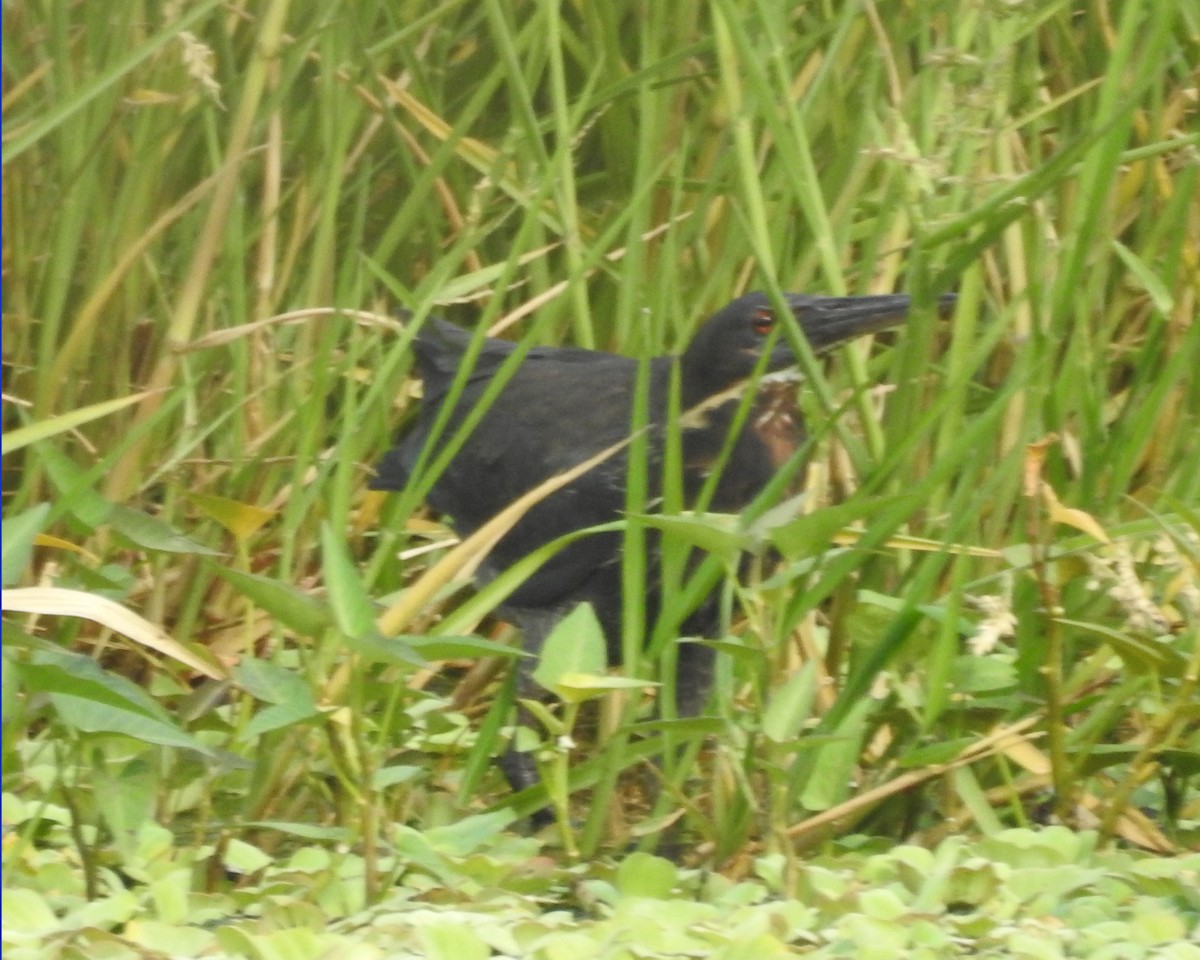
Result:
{"points": [[727, 348]]}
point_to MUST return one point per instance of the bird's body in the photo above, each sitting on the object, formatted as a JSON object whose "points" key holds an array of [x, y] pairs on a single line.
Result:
{"points": [[563, 405], [522, 440], [560, 407]]}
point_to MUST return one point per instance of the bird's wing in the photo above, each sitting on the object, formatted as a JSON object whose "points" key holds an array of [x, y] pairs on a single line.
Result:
{"points": [[441, 346], [548, 418], [558, 402], [551, 417], [558, 409]]}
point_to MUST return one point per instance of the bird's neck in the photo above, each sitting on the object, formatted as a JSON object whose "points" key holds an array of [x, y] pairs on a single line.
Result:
{"points": [[696, 380]]}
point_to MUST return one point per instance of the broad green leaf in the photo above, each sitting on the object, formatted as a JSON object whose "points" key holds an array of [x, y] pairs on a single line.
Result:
{"points": [[1138, 653], [1151, 282], [645, 875], [469, 834], [272, 683], [74, 485], [452, 941], [716, 533], [791, 704], [374, 646], [352, 608], [935, 753], [833, 769], [93, 700], [978, 675], [575, 646], [814, 532], [453, 648], [242, 857], [111, 912], [126, 795], [92, 716], [243, 520], [18, 536], [578, 687], [156, 938], [75, 674], [391, 776], [307, 615], [154, 533], [294, 943], [27, 912], [305, 831], [279, 716]]}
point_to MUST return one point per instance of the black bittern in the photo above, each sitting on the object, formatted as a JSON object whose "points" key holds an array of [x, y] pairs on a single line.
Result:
{"points": [[564, 405]]}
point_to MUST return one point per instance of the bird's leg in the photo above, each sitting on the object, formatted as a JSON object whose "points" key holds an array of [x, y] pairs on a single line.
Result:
{"points": [[693, 678], [519, 767]]}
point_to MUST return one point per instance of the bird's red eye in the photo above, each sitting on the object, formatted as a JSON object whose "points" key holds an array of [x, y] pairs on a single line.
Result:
{"points": [[764, 320]]}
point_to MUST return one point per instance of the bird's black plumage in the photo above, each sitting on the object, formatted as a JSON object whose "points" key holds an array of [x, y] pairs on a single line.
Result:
{"points": [[563, 405]]}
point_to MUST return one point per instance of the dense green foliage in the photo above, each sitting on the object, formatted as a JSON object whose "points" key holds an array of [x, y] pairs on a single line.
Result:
{"points": [[223, 654]]}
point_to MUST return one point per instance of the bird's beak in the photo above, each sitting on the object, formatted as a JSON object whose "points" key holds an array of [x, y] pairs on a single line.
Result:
{"points": [[828, 321]]}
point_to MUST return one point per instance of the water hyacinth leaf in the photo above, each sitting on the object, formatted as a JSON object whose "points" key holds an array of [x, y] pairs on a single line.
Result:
{"points": [[645, 875]]}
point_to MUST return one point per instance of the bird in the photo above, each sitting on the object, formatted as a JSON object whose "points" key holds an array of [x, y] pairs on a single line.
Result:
{"points": [[562, 405]]}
